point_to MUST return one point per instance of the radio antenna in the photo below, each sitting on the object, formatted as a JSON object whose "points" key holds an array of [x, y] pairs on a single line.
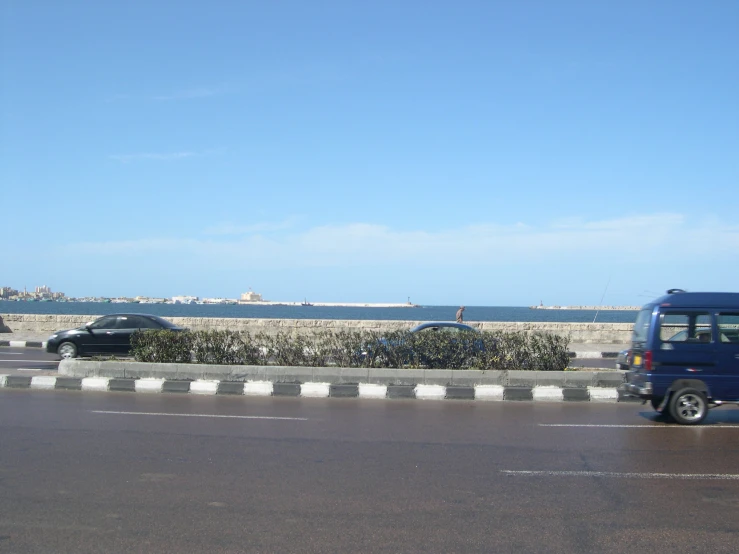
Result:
{"points": [[601, 298]]}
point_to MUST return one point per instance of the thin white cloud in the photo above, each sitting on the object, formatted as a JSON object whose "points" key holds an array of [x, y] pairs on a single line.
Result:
{"points": [[637, 240]]}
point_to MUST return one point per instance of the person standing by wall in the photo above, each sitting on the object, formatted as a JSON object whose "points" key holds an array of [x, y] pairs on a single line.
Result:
{"points": [[459, 314]]}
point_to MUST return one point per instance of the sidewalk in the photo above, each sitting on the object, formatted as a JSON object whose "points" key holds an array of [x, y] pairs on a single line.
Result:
{"points": [[584, 350], [24, 337]]}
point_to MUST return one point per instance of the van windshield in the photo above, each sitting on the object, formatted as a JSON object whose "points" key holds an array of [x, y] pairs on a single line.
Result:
{"points": [[641, 326]]}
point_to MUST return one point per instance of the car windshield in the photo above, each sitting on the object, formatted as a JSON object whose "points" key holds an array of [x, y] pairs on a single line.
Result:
{"points": [[108, 322]]}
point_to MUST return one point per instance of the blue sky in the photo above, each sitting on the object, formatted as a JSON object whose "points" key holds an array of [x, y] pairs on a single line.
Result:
{"points": [[465, 152]]}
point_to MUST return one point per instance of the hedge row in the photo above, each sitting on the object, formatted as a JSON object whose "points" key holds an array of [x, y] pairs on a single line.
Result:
{"points": [[400, 349]]}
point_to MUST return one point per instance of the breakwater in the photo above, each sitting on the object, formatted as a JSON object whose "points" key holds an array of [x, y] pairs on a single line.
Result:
{"points": [[45, 324], [589, 308]]}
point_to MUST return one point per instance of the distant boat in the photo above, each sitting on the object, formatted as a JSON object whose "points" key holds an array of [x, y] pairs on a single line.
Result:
{"points": [[306, 303]]}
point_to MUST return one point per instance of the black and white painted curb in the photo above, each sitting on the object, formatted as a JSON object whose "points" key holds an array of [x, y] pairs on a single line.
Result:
{"points": [[23, 343], [319, 390], [42, 344], [598, 354]]}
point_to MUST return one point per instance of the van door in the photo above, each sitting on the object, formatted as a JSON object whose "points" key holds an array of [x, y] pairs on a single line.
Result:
{"points": [[727, 351], [686, 350]]}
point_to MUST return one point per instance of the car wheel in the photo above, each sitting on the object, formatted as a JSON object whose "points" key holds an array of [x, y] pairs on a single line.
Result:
{"points": [[655, 401], [67, 350], [688, 406]]}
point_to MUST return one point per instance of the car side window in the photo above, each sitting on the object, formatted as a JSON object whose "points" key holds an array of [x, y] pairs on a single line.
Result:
{"points": [[104, 323], [728, 327], [128, 322], [146, 323], [685, 327]]}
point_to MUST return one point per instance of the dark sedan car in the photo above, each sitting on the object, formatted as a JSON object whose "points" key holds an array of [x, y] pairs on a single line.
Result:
{"points": [[622, 359], [109, 335], [452, 326]]}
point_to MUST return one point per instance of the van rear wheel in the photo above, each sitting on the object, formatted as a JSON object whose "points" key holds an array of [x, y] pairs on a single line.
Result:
{"points": [[688, 406]]}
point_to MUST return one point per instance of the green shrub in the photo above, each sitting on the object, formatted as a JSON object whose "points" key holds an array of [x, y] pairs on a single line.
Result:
{"points": [[440, 349], [288, 350], [227, 348], [162, 346], [347, 348], [445, 349], [518, 350]]}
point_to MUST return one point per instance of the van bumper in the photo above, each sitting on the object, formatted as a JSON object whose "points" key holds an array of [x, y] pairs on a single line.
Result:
{"points": [[642, 391]]}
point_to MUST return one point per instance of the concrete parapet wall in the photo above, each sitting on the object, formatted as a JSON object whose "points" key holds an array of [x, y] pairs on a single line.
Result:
{"points": [[597, 333]]}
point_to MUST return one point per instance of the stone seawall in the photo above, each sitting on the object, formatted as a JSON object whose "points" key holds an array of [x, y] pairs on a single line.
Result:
{"points": [[600, 333]]}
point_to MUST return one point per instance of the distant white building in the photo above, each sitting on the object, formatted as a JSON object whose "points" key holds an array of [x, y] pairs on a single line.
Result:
{"points": [[218, 301], [251, 296], [184, 299]]}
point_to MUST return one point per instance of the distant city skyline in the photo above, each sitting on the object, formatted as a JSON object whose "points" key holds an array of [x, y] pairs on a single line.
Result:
{"points": [[476, 152], [249, 296]]}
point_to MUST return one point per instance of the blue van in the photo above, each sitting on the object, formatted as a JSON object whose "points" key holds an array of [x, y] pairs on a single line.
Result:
{"points": [[684, 356]]}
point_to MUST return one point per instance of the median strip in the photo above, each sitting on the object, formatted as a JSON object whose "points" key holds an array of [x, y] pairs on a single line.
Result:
{"points": [[330, 382]]}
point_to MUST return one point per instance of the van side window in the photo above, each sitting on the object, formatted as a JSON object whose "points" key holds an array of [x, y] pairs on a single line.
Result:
{"points": [[728, 327], [685, 327], [641, 326]]}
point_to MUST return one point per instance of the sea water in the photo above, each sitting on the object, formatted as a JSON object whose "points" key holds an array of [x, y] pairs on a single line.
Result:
{"points": [[421, 313]]}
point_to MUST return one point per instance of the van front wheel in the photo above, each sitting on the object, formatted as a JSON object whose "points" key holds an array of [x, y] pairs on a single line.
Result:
{"points": [[688, 406]]}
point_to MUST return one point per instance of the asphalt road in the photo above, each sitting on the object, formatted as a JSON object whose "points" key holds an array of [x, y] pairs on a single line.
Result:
{"points": [[27, 359], [117, 472]]}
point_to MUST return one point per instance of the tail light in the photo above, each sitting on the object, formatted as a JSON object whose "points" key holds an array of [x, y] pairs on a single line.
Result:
{"points": [[648, 360]]}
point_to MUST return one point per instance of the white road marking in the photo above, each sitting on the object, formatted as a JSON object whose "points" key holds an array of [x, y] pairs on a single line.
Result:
{"points": [[616, 426], [367, 390], [315, 390], [31, 369], [204, 386], [95, 383], [430, 392], [489, 392], [615, 474], [200, 415], [258, 388], [43, 382]]}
